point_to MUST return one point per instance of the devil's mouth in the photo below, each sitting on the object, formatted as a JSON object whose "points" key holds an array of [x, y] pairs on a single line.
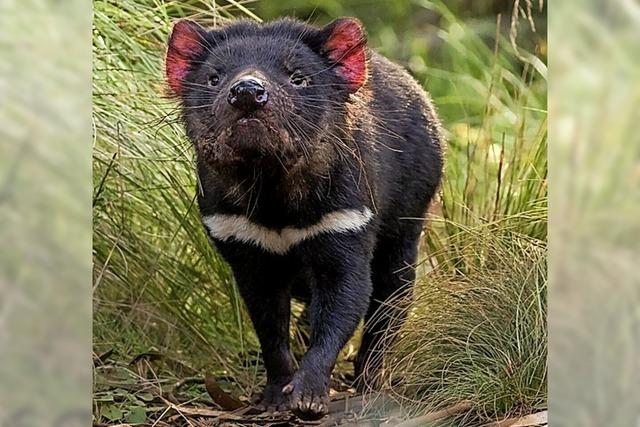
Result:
{"points": [[248, 121], [247, 136], [249, 127], [247, 139]]}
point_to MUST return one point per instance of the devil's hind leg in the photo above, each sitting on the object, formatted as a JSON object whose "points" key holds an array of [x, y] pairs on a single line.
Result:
{"points": [[393, 274]]}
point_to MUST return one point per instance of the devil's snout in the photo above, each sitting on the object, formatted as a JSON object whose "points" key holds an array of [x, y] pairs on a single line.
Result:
{"points": [[248, 94]]}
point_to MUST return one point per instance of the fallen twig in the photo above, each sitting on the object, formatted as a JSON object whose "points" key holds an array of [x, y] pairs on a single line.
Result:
{"points": [[154, 356], [458, 408], [537, 419], [201, 412]]}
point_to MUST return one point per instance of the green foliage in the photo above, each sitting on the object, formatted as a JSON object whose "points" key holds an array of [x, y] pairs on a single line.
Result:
{"points": [[478, 335], [159, 285]]}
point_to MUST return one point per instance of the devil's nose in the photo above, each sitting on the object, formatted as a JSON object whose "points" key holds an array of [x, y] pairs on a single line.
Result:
{"points": [[248, 94]]}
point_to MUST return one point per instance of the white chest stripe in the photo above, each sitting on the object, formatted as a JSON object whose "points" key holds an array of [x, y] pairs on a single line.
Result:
{"points": [[223, 227]]}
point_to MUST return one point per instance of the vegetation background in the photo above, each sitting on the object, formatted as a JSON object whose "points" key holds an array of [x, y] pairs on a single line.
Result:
{"points": [[165, 301]]}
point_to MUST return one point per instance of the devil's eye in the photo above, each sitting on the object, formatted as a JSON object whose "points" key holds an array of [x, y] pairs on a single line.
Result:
{"points": [[297, 79], [213, 80]]}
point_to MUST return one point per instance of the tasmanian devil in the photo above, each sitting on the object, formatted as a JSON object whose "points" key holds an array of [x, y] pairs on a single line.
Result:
{"points": [[316, 160]]}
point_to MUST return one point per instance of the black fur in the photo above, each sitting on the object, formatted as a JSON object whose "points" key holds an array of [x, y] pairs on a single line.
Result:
{"points": [[315, 150]]}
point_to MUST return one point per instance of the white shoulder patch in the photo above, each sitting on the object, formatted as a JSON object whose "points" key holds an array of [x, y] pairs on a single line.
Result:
{"points": [[224, 227]]}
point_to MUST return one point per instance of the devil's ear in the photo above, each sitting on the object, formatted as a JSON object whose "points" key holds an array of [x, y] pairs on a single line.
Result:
{"points": [[343, 42], [187, 42]]}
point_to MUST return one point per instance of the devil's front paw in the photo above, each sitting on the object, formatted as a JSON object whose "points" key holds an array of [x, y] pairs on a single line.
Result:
{"points": [[308, 395], [272, 398]]}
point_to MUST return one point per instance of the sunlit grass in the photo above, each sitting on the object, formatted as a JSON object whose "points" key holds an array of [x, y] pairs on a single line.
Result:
{"points": [[476, 334], [477, 328], [157, 281]]}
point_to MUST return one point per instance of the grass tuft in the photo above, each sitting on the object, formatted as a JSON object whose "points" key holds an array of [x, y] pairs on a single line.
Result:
{"points": [[476, 335]]}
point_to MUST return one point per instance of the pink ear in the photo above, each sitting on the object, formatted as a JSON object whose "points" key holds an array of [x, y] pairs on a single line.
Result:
{"points": [[346, 46], [186, 42]]}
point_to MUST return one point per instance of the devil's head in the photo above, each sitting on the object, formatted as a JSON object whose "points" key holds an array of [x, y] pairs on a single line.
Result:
{"points": [[265, 94]]}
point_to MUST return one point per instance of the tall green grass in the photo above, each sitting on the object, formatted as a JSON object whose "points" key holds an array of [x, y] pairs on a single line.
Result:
{"points": [[494, 110], [159, 285], [476, 330]]}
